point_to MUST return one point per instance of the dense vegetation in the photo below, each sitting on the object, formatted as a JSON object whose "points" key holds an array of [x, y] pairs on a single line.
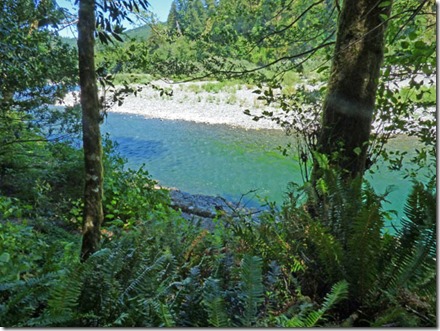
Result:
{"points": [[323, 258]]}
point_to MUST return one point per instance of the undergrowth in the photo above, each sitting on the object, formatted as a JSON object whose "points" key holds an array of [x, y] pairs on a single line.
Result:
{"points": [[291, 268]]}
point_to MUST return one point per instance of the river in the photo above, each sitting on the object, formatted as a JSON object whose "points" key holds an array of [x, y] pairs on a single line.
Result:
{"points": [[221, 160]]}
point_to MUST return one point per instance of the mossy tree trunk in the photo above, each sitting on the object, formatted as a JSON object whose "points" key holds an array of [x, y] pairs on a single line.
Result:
{"points": [[351, 93], [93, 191]]}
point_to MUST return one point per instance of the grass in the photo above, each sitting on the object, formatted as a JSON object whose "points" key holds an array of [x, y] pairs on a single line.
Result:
{"points": [[132, 78], [231, 99], [194, 88]]}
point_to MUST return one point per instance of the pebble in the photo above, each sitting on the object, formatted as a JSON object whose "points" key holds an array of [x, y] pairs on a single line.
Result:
{"points": [[190, 102]]}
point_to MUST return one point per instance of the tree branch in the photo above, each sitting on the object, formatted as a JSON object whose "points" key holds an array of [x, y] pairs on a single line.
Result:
{"points": [[291, 24]]}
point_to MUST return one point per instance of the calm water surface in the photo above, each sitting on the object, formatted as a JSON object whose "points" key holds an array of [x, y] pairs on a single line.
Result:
{"points": [[221, 160]]}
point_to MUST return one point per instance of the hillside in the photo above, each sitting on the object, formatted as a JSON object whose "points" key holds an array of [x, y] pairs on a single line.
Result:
{"points": [[140, 33]]}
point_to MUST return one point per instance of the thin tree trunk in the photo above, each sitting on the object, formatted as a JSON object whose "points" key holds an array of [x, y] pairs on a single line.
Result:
{"points": [[350, 100], [93, 212]]}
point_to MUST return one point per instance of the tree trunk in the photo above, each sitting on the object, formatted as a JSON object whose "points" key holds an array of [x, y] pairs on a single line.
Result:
{"points": [[350, 100], [93, 212]]}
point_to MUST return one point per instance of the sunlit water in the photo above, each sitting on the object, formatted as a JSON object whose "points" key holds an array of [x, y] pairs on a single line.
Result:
{"points": [[221, 160]]}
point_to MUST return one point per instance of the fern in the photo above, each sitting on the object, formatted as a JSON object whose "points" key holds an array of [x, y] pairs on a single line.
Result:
{"points": [[24, 298], [329, 249], [414, 261], [338, 292], [164, 314], [411, 268], [141, 284], [420, 212], [144, 295], [364, 245], [214, 302], [65, 295], [252, 288]]}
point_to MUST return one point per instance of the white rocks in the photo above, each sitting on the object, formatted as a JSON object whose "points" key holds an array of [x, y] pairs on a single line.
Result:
{"points": [[192, 102], [198, 106]]}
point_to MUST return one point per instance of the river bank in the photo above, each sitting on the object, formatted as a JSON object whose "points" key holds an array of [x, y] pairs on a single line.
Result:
{"points": [[196, 103], [205, 208], [203, 102]]}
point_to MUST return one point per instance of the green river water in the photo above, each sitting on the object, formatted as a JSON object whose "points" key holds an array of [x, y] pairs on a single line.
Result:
{"points": [[221, 160]]}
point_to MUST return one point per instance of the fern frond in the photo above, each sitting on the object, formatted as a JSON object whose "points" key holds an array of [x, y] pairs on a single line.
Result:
{"points": [[143, 281], [312, 318], [65, 295], [338, 292], [215, 305], [24, 298], [217, 313], [414, 259], [294, 322], [252, 288], [420, 211], [329, 248], [364, 247], [163, 312]]}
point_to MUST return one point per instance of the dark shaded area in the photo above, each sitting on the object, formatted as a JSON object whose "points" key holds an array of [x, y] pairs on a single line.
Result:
{"points": [[139, 148]]}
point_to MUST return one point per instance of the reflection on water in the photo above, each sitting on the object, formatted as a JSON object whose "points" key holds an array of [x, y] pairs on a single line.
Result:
{"points": [[220, 160]]}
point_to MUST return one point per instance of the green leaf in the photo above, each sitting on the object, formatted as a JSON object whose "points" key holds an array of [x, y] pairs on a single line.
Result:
{"points": [[252, 288], [5, 257], [413, 36], [322, 186], [322, 69], [384, 4], [420, 44], [404, 44], [383, 16], [427, 70]]}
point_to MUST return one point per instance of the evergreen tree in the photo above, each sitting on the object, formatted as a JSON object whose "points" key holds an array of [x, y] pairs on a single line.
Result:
{"points": [[195, 19], [173, 20]]}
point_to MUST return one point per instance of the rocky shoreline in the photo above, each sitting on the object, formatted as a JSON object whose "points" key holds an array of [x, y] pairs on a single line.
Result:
{"points": [[195, 102], [191, 102], [205, 208]]}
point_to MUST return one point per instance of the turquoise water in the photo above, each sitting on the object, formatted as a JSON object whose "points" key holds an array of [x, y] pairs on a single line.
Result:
{"points": [[220, 160]]}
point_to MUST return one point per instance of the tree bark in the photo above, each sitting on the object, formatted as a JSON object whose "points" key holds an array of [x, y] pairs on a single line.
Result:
{"points": [[93, 190], [351, 93]]}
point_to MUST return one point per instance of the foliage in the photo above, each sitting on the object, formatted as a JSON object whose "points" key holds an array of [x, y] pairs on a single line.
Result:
{"points": [[411, 279], [44, 175], [157, 274], [288, 269], [323, 259], [33, 255], [130, 194], [338, 293], [345, 239], [220, 38], [37, 69]]}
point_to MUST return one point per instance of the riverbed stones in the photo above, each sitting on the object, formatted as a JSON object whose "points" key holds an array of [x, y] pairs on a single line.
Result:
{"points": [[221, 107], [206, 208]]}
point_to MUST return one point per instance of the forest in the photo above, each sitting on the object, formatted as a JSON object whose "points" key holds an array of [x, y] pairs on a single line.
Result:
{"points": [[88, 241]]}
